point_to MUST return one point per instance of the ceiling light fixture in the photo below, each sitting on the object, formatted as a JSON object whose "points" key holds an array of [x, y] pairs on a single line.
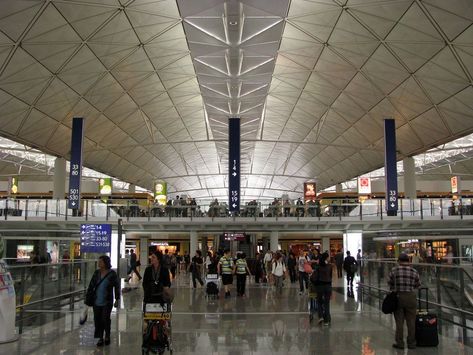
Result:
{"points": [[233, 23]]}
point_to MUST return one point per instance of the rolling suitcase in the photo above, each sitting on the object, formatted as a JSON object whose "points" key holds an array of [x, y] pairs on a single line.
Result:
{"points": [[426, 324]]}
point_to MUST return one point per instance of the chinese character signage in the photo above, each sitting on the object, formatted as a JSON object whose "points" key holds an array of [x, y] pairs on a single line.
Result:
{"points": [[75, 172], [105, 186], [364, 185], [455, 182], [234, 164], [95, 238], [390, 166], [160, 192], [309, 191]]}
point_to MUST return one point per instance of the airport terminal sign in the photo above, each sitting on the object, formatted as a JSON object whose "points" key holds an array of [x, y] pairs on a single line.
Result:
{"points": [[95, 238]]}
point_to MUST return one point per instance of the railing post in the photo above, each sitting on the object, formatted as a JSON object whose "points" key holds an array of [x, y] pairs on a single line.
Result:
{"points": [[46, 211], [22, 298], [26, 209], [441, 209], [86, 210], [421, 209], [107, 211], [461, 208], [5, 211], [361, 211], [402, 210], [66, 208]]}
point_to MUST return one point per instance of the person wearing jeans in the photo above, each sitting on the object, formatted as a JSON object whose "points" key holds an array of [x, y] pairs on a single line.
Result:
{"points": [[404, 280], [104, 284], [278, 272], [303, 277]]}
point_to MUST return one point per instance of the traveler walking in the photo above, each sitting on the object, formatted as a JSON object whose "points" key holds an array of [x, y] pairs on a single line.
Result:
{"points": [[241, 269], [404, 279], [322, 279], [196, 267], [291, 266], [133, 266], [103, 286], [225, 266], [278, 272], [259, 268], [268, 259], [303, 276], [350, 266], [156, 281], [339, 263]]}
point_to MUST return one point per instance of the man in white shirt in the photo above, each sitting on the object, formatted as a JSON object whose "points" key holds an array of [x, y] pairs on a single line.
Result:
{"points": [[278, 271]]}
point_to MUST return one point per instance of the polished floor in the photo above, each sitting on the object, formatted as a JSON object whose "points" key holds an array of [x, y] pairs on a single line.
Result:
{"points": [[261, 323]]}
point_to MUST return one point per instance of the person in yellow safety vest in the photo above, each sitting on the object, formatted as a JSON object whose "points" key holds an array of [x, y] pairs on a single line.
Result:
{"points": [[225, 268], [240, 269]]}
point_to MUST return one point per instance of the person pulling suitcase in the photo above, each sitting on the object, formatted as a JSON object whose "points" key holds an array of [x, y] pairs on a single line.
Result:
{"points": [[404, 280]]}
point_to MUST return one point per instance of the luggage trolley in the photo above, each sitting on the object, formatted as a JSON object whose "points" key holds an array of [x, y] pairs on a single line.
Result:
{"points": [[212, 286], [157, 331]]}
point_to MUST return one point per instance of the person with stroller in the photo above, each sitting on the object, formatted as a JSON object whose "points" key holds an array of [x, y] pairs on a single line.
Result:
{"points": [[241, 269]]}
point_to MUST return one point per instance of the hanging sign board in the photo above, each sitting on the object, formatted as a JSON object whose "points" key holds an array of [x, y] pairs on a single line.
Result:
{"points": [[75, 172]]}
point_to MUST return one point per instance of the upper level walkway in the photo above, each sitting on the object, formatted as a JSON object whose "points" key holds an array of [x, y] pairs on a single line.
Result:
{"points": [[368, 215], [261, 323]]}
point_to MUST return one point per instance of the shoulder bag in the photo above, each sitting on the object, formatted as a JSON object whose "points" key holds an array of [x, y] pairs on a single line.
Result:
{"points": [[90, 295]]}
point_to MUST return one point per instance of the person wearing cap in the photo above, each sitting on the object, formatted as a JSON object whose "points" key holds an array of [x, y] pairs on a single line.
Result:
{"points": [[404, 280]]}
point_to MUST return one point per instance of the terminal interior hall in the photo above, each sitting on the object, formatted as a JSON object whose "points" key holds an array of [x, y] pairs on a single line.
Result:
{"points": [[236, 176]]}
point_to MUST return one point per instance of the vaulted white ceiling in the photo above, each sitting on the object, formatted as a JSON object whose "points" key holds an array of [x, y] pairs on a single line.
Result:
{"points": [[311, 80]]}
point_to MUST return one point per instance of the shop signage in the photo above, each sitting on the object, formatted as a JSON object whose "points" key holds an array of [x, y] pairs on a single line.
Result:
{"points": [[234, 164], [13, 185], [364, 185], [105, 186], [309, 191], [455, 183], [235, 236], [75, 172], [95, 238], [390, 166], [160, 192]]}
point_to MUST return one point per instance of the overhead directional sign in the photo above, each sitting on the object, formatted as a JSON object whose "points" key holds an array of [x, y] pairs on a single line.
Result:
{"points": [[95, 238], [75, 172], [390, 166], [234, 164]]}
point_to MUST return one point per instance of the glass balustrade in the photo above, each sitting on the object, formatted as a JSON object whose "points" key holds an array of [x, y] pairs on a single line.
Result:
{"points": [[112, 209]]}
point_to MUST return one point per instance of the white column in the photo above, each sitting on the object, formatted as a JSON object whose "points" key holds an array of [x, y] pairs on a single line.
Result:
{"points": [[325, 244], [274, 241], [143, 252], [409, 178], [338, 188], [131, 188], [193, 243], [59, 180]]}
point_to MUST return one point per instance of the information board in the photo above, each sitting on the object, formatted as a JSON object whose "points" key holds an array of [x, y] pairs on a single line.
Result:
{"points": [[390, 166], [234, 164], [75, 172], [95, 238]]}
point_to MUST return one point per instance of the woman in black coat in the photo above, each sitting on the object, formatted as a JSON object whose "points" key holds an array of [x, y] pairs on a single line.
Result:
{"points": [[156, 281]]}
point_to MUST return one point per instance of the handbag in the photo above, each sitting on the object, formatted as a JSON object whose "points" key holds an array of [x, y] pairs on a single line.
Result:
{"points": [[90, 294], [307, 268], [390, 303]]}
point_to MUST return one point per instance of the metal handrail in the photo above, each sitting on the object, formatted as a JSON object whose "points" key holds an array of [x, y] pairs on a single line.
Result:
{"points": [[459, 310], [49, 299]]}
